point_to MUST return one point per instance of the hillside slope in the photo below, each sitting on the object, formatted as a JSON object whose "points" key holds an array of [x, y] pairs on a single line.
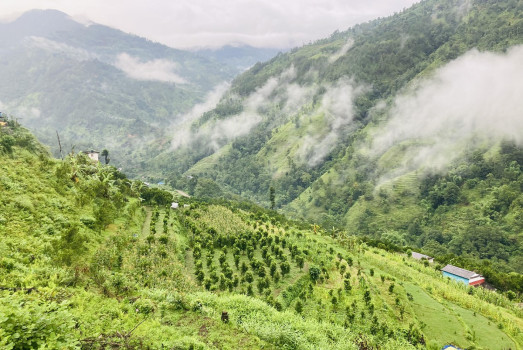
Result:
{"points": [[85, 266], [366, 131]]}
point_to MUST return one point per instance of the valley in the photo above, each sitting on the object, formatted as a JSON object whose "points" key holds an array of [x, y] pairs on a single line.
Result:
{"points": [[257, 198], [414, 148]]}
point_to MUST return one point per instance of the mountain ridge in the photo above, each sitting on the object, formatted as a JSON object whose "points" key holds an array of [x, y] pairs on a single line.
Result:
{"points": [[346, 132], [83, 81], [309, 118]]}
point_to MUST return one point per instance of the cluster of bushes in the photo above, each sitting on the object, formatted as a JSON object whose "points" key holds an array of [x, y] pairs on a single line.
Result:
{"points": [[244, 270], [156, 196]]}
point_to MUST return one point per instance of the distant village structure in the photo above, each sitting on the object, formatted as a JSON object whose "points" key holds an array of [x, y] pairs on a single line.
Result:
{"points": [[94, 155], [469, 277], [456, 273], [419, 256]]}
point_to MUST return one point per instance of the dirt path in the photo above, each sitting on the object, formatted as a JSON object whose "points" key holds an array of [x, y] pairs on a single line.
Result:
{"points": [[183, 194], [147, 222]]}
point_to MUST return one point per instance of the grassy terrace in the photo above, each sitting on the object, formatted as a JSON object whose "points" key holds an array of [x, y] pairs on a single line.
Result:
{"points": [[84, 265], [386, 294]]}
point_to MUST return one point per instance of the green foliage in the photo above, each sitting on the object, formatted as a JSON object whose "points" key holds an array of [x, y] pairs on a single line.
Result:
{"points": [[272, 197], [299, 307], [70, 244], [391, 288], [83, 261], [156, 196], [387, 54], [26, 323], [450, 212], [7, 142], [314, 273]]}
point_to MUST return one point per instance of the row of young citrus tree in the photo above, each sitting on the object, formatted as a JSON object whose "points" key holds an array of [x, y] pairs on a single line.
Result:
{"points": [[289, 270]]}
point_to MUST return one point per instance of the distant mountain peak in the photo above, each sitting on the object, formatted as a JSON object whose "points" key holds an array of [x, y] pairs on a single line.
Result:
{"points": [[45, 16], [37, 23]]}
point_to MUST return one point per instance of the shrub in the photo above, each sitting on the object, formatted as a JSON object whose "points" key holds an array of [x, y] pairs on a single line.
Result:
{"points": [[391, 288], [27, 324], [249, 277], [314, 273], [299, 307]]}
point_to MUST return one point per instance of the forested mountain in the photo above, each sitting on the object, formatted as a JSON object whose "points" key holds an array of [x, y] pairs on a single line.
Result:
{"points": [[405, 128], [400, 134], [92, 260], [97, 86]]}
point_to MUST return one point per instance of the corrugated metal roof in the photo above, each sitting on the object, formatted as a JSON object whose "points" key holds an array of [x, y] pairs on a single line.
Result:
{"points": [[458, 271], [420, 256]]}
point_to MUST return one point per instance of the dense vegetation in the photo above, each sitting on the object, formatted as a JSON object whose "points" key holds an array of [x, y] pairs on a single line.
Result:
{"points": [[317, 162], [92, 260], [471, 211], [84, 265]]}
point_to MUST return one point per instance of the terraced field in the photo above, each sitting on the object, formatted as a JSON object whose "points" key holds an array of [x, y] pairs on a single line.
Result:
{"points": [[230, 252]]}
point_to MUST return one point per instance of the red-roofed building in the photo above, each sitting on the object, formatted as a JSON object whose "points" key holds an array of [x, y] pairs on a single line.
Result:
{"points": [[469, 277]]}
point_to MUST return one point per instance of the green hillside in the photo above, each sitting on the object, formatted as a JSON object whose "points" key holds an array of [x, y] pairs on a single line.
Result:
{"points": [[85, 265], [327, 126]]}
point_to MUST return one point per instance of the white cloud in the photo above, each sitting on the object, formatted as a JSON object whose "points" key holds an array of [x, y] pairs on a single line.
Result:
{"points": [[27, 113], [342, 51], [337, 108], [53, 46], [182, 134], [297, 96], [262, 94], [218, 132], [206, 23], [211, 100], [475, 98], [155, 70]]}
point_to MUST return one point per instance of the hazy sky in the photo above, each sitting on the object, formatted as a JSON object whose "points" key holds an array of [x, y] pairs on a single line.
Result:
{"points": [[193, 23]]}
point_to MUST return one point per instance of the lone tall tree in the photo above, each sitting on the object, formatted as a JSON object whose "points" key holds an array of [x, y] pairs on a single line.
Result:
{"points": [[105, 154], [272, 197]]}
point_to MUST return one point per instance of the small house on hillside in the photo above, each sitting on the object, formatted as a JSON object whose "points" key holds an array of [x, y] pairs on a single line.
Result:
{"points": [[419, 256], [174, 205], [469, 277], [92, 154]]}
